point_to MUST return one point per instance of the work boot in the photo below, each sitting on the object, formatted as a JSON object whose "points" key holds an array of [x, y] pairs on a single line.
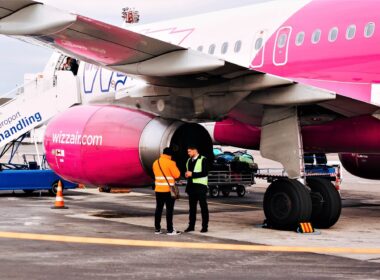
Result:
{"points": [[189, 229], [203, 230]]}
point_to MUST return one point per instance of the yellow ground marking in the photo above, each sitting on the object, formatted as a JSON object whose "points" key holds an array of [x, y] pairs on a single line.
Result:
{"points": [[185, 245]]}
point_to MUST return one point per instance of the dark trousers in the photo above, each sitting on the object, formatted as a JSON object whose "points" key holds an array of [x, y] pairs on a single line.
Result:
{"points": [[193, 202], [161, 200]]}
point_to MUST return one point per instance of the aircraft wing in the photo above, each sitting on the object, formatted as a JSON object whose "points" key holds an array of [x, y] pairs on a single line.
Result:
{"points": [[99, 43], [157, 62]]}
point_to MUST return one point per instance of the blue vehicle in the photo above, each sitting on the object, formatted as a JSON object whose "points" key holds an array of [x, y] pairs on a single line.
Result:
{"points": [[29, 180], [32, 175]]}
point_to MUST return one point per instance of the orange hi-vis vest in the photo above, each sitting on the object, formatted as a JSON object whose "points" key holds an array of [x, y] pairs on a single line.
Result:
{"points": [[171, 171]]}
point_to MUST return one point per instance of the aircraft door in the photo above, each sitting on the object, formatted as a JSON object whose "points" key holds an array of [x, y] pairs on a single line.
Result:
{"points": [[258, 49], [281, 47]]}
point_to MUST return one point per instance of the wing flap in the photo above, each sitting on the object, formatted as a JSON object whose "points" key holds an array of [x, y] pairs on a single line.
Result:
{"points": [[35, 19], [8, 7]]}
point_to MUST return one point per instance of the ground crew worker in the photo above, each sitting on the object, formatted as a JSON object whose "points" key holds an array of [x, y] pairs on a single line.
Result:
{"points": [[197, 180], [165, 172]]}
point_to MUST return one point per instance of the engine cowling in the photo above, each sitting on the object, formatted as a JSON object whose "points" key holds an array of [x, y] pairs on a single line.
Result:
{"points": [[116, 147], [362, 165]]}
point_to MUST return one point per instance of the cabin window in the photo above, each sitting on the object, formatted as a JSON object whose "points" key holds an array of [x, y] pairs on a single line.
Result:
{"points": [[316, 37], [200, 49], [259, 43], [211, 49], [351, 31], [300, 38], [333, 34], [238, 45], [224, 48], [369, 30], [282, 40]]}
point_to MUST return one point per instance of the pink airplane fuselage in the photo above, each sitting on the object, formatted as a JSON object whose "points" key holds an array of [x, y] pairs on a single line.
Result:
{"points": [[348, 65]]}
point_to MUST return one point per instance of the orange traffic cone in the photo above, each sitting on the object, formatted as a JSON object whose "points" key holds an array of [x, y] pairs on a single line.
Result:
{"points": [[59, 203]]}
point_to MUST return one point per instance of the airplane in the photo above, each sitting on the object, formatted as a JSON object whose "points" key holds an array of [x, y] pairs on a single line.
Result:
{"points": [[283, 77]]}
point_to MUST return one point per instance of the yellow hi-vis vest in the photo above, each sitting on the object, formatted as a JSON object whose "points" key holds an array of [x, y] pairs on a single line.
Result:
{"points": [[198, 168]]}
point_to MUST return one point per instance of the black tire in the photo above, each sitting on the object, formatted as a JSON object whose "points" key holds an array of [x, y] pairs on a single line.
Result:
{"points": [[240, 191], [214, 192], [327, 203], [287, 203], [28, 192], [226, 193], [105, 189]]}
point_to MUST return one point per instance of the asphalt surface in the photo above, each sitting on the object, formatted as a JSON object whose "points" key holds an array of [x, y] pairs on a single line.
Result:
{"points": [[110, 236], [130, 217]]}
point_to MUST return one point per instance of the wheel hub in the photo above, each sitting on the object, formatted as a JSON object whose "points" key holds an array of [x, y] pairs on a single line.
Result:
{"points": [[281, 205]]}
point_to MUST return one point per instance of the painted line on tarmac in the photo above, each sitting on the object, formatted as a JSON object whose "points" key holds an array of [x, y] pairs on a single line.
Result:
{"points": [[186, 245]]}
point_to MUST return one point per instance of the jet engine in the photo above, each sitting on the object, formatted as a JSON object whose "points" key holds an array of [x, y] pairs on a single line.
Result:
{"points": [[362, 165], [116, 147]]}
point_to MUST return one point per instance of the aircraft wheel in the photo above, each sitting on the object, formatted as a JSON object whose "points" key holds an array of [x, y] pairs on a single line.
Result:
{"points": [[327, 204], [287, 203]]}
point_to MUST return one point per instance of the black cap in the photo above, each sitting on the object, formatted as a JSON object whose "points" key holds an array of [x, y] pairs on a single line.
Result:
{"points": [[168, 151]]}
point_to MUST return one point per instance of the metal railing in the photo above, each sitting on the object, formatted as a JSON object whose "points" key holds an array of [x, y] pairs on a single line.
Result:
{"points": [[14, 92], [37, 158], [231, 178], [271, 172], [40, 85]]}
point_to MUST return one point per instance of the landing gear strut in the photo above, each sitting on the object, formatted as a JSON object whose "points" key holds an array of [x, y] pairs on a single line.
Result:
{"points": [[288, 202]]}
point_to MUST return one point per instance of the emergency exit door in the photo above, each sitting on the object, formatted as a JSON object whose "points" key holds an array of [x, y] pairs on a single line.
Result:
{"points": [[281, 47]]}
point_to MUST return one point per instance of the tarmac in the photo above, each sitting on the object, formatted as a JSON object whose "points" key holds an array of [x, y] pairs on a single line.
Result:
{"points": [[111, 236]]}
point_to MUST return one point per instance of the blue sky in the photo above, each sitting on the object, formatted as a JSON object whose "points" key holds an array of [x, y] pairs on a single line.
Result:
{"points": [[19, 58]]}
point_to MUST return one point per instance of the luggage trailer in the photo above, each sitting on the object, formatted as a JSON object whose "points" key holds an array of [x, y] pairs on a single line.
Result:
{"points": [[225, 182]]}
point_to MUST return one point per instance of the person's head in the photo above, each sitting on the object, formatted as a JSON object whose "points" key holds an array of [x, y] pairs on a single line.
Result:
{"points": [[192, 151], [168, 151]]}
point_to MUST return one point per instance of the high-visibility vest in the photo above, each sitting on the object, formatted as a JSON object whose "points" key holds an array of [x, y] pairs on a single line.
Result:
{"points": [[171, 171], [198, 168]]}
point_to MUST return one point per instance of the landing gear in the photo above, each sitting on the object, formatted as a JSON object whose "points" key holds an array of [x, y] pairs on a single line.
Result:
{"points": [[287, 203], [327, 204]]}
